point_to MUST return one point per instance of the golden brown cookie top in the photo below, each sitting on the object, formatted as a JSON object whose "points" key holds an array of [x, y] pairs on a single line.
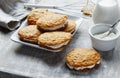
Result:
{"points": [[29, 32], [70, 26], [79, 57], [54, 38], [52, 20], [35, 14]]}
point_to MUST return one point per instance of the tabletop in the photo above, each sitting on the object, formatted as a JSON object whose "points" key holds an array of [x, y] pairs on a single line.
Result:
{"points": [[27, 61]]}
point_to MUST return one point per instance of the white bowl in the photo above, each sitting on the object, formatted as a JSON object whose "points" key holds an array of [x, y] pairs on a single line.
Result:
{"points": [[101, 44]]}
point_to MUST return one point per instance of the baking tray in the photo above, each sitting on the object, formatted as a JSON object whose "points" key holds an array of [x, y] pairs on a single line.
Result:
{"points": [[15, 36]]}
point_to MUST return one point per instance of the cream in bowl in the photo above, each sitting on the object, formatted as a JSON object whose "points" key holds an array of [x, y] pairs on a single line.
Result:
{"points": [[105, 35], [100, 40]]}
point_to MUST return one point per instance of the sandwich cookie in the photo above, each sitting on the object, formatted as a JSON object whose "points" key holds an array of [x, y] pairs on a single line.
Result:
{"points": [[29, 33], [54, 40], [52, 22], [35, 14], [82, 59], [70, 26]]}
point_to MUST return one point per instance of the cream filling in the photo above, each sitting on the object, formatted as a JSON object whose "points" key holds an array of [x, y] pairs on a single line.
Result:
{"points": [[58, 46], [56, 27], [84, 67], [29, 40], [72, 31]]}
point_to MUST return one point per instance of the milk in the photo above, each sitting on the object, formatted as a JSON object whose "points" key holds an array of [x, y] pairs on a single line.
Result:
{"points": [[106, 11]]}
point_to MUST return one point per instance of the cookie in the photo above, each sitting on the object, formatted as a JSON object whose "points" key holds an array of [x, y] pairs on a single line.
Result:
{"points": [[54, 40], [52, 22], [35, 14], [70, 26], [82, 58], [29, 33]]}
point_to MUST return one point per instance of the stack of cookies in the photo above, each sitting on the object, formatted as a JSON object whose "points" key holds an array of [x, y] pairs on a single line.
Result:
{"points": [[54, 31], [47, 29]]}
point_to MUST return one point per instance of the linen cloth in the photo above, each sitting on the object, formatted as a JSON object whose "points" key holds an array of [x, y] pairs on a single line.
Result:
{"points": [[11, 12]]}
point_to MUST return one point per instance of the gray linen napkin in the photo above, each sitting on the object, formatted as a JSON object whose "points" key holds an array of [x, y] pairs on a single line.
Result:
{"points": [[8, 21], [11, 13]]}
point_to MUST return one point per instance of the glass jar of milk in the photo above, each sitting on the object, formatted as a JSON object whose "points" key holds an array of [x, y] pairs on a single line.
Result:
{"points": [[106, 11]]}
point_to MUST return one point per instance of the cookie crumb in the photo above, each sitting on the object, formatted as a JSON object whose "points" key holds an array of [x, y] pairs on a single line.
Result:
{"points": [[86, 12]]}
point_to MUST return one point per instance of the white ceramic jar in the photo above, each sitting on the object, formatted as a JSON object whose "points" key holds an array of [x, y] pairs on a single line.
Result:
{"points": [[106, 11]]}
